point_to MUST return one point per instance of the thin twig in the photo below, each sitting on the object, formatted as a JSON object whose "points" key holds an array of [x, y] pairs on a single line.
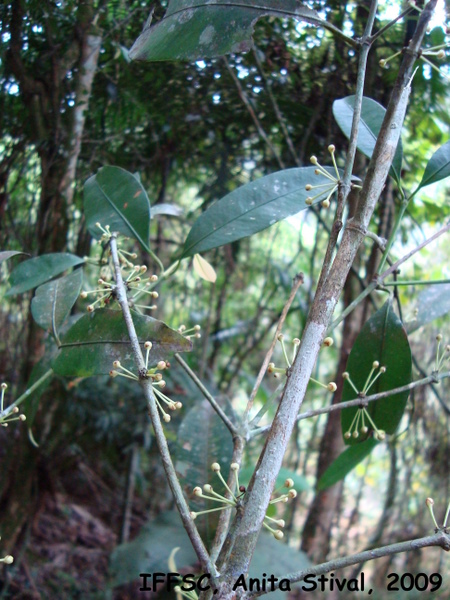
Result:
{"points": [[298, 280], [379, 278], [227, 422], [345, 183], [435, 378], [245, 99], [441, 538], [161, 441], [281, 120]]}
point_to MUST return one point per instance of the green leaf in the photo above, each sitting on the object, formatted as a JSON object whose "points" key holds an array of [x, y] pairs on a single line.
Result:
{"points": [[372, 115], [345, 463], [98, 339], [195, 454], [193, 29], [36, 271], [432, 303], [438, 166], [254, 207], [53, 301], [381, 339], [116, 198], [149, 552], [7, 254]]}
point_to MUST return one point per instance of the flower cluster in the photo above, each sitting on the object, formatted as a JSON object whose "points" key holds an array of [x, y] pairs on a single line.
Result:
{"points": [[192, 332], [208, 493], [5, 420], [156, 378], [436, 51], [135, 283], [325, 188], [358, 425], [277, 371]]}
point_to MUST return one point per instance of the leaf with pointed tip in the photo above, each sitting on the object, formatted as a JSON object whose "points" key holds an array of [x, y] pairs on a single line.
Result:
{"points": [[116, 198], [438, 167], [345, 463], [193, 29], [381, 339], [7, 254], [98, 339], [254, 207], [36, 271], [372, 115], [53, 301]]}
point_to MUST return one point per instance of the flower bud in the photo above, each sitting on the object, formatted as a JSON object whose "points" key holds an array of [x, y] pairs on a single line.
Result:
{"points": [[289, 483], [331, 387], [215, 467], [116, 364], [198, 491], [234, 467], [148, 345], [328, 341], [278, 535]]}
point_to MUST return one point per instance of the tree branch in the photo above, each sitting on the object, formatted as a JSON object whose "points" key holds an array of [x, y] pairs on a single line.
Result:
{"points": [[181, 504], [441, 539]]}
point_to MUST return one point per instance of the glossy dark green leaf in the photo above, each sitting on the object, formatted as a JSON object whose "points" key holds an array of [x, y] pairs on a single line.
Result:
{"points": [[345, 463], [193, 29], [438, 166], [36, 271], [7, 254], [116, 198], [433, 302], [254, 207], [372, 115], [381, 339], [98, 339], [53, 301]]}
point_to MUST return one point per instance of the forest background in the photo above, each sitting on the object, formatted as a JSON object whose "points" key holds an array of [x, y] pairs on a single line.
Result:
{"points": [[71, 103]]}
